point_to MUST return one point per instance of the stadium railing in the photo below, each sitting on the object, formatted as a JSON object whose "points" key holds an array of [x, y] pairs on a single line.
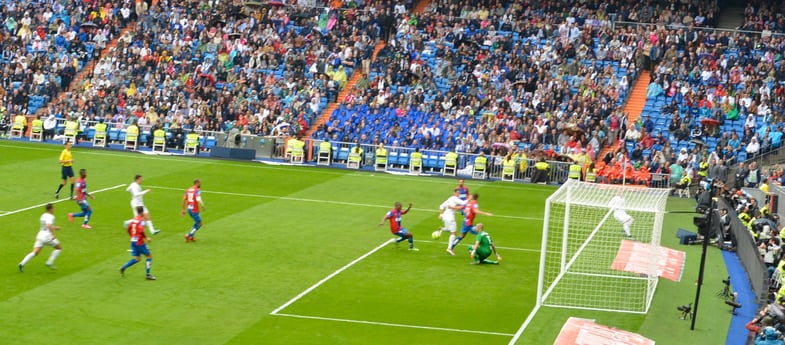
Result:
{"points": [[273, 147], [433, 162]]}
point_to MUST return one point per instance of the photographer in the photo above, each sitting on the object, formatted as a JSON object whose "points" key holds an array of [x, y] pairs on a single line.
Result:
{"points": [[770, 252]]}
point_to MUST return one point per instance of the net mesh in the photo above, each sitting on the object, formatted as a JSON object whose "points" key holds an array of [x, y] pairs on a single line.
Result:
{"points": [[582, 237]]}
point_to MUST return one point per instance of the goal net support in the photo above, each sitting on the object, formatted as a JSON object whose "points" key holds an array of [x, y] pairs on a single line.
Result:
{"points": [[583, 233]]}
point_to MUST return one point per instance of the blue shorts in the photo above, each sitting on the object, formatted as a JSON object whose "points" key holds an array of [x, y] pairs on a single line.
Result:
{"points": [[66, 172], [468, 228], [84, 205], [195, 216], [137, 250], [402, 233]]}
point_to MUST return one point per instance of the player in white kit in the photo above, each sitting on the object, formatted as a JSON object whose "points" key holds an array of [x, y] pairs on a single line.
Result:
{"points": [[447, 215], [137, 199], [46, 237], [617, 206]]}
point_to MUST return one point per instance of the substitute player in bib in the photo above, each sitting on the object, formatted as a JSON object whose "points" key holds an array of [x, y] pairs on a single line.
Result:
{"points": [[46, 237], [66, 169], [483, 248], [192, 200], [617, 206], [394, 216], [137, 199], [470, 210], [81, 200], [447, 215], [138, 245]]}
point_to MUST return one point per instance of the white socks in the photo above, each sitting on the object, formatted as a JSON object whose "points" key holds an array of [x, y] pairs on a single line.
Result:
{"points": [[53, 256], [626, 227], [27, 258]]}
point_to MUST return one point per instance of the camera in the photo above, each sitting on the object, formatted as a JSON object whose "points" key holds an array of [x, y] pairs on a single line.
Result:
{"points": [[685, 311]]}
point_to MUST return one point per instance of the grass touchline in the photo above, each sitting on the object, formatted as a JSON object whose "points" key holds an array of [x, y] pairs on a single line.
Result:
{"points": [[3, 214], [329, 171]]}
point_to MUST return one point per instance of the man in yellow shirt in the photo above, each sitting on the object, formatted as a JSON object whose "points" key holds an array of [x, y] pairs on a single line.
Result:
{"points": [[66, 169]]}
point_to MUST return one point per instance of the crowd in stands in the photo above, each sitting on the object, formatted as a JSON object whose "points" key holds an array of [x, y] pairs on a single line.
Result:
{"points": [[489, 77], [269, 69], [466, 78]]}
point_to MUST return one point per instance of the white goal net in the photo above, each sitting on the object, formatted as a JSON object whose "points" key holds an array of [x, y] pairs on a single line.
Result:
{"points": [[583, 235]]}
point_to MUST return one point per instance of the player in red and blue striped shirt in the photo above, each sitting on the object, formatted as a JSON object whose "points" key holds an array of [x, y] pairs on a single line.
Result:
{"points": [[135, 228], [471, 210], [81, 199], [394, 216], [192, 200]]}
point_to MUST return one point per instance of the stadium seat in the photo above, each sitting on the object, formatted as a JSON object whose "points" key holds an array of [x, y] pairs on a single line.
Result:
{"points": [[323, 157], [131, 141], [191, 144], [159, 140], [18, 127], [99, 137], [209, 143], [354, 160], [114, 134], [403, 159], [343, 154], [70, 132], [37, 130], [450, 165]]}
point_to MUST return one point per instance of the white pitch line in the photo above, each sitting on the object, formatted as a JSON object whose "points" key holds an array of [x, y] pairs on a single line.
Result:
{"points": [[524, 325], [325, 279], [395, 325], [505, 248], [57, 201], [320, 201], [520, 187]]}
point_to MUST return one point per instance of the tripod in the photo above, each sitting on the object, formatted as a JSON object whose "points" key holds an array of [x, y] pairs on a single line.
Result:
{"points": [[725, 293]]}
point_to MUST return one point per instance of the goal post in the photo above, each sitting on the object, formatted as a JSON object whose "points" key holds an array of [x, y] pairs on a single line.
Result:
{"points": [[582, 236]]}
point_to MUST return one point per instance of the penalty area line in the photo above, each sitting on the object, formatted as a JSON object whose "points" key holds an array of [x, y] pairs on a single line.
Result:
{"points": [[325, 279], [395, 325], [3, 214], [505, 248], [320, 201]]}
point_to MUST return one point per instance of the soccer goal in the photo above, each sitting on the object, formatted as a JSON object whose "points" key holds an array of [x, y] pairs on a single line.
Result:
{"points": [[583, 236]]}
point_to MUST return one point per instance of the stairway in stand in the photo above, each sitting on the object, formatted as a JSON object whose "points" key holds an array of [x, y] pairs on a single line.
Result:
{"points": [[328, 111], [78, 81], [634, 107]]}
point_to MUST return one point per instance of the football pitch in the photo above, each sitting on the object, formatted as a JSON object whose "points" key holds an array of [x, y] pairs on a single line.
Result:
{"points": [[287, 255]]}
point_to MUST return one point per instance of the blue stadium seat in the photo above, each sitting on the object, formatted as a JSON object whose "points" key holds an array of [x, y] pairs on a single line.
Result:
{"points": [[209, 143]]}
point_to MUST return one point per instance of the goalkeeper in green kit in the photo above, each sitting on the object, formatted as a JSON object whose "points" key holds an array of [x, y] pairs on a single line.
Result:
{"points": [[483, 247]]}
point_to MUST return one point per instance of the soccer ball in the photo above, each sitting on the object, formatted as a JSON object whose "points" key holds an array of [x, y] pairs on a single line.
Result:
{"points": [[436, 234]]}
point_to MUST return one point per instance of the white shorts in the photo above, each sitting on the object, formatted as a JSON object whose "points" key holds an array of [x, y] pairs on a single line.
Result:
{"points": [[450, 225], [622, 217], [44, 238], [133, 209]]}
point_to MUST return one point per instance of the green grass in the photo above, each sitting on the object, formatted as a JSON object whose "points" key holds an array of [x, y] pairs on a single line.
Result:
{"points": [[272, 232]]}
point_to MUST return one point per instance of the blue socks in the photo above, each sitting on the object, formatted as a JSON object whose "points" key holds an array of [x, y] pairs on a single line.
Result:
{"points": [[129, 263], [85, 214], [455, 243], [148, 264]]}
